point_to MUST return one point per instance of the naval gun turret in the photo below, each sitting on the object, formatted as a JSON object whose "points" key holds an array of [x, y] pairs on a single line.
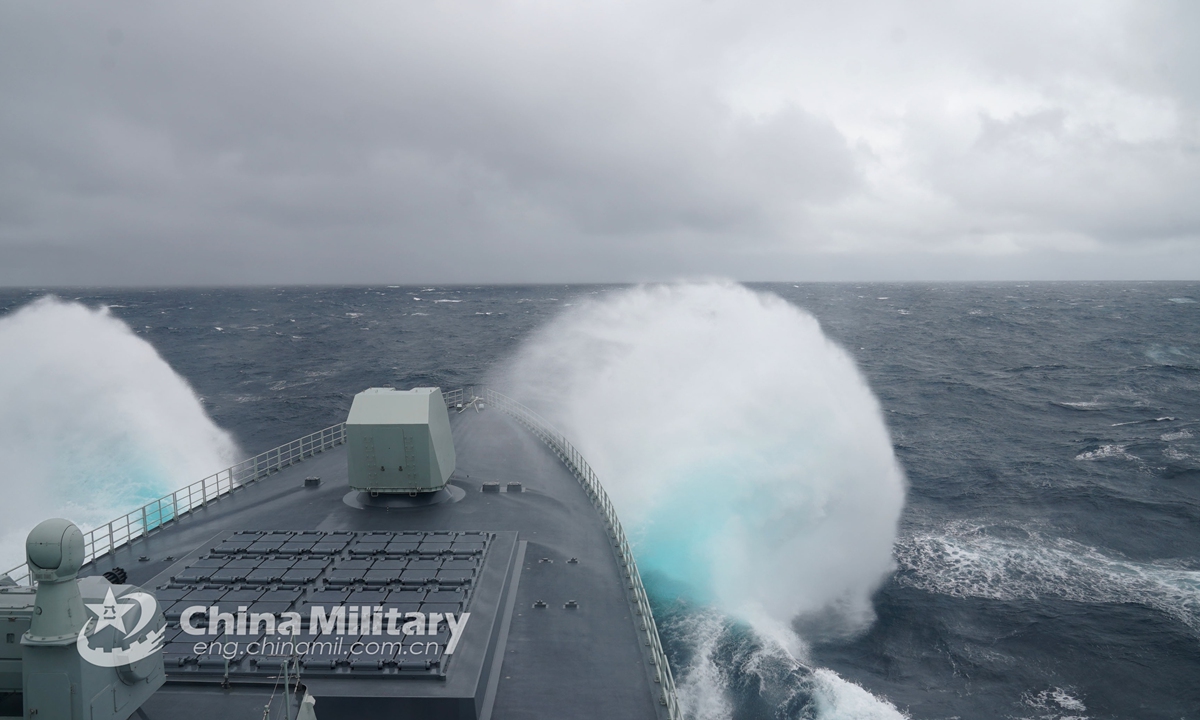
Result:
{"points": [[399, 441], [93, 648]]}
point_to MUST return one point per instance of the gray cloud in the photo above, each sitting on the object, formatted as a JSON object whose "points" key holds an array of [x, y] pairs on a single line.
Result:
{"points": [[277, 142]]}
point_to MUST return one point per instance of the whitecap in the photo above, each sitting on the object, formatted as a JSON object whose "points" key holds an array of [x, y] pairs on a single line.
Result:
{"points": [[965, 560], [1055, 703], [1106, 451]]}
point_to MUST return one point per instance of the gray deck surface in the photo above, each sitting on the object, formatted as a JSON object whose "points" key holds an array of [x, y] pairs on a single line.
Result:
{"points": [[584, 662]]}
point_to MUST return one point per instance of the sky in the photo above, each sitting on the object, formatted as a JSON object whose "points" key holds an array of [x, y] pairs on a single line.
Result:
{"points": [[219, 142]]}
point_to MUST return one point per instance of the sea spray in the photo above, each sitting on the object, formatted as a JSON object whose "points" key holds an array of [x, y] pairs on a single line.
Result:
{"points": [[743, 449], [93, 422], [750, 463]]}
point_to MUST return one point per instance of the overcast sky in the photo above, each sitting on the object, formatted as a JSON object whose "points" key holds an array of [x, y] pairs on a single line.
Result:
{"points": [[273, 142]]}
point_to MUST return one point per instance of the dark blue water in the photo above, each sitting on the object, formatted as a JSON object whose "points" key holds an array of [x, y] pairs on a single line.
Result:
{"points": [[1048, 561]]}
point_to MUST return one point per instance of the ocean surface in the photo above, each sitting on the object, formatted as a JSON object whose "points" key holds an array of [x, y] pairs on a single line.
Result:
{"points": [[1047, 560]]}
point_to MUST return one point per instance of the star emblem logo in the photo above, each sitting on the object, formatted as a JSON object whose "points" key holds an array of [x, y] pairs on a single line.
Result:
{"points": [[110, 613]]}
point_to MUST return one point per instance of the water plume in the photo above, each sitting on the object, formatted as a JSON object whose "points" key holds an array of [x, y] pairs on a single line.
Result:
{"points": [[93, 422], [746, 455]]}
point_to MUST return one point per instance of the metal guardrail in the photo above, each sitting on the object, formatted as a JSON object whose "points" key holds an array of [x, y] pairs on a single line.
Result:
{"points": [[454, 397], [102, 540], [591, 485]]}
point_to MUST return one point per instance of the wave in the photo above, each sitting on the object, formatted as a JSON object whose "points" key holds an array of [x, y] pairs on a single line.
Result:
{"points": [[1083, 405], [1106, 451], [727, 670], [746, 454], [1143, 422], [751, 466], [965, 560], [1055, 704], [93, 422]]}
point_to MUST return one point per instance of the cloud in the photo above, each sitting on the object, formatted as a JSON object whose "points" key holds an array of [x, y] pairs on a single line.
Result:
{"points": [[368, 141]]}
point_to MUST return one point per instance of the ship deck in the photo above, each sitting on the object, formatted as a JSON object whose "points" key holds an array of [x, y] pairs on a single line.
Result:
{"points": [[533, 653]]}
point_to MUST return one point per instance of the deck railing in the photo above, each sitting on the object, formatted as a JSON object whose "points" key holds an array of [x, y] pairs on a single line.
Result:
{"points": [[453, 397], [103, 539], [591, 485]]}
